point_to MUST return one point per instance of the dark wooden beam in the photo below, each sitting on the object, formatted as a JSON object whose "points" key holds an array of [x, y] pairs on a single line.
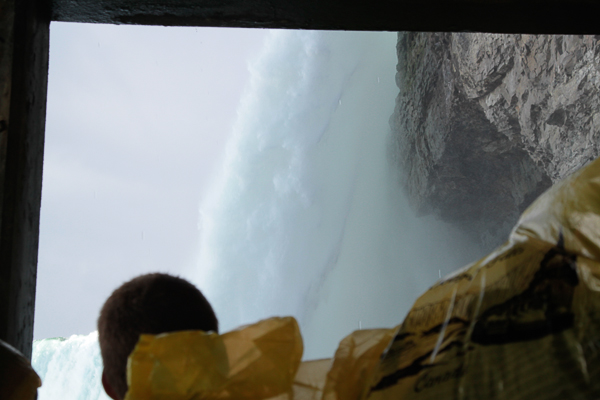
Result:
{"points": [[496, 16], [24, 42]]}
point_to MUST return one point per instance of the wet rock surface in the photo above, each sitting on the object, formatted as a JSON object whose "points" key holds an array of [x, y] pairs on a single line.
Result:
{"points": [[485, 123]]}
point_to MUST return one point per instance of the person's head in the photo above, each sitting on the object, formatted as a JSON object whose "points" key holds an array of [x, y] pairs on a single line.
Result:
{"points": [[152, 303]]}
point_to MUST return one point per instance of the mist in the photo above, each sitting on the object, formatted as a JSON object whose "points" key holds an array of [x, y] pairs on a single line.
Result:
{"points": [[308, 218]]}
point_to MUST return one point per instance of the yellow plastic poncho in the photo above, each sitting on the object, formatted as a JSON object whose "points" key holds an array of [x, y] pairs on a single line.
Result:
{"points": [[521, 323]]}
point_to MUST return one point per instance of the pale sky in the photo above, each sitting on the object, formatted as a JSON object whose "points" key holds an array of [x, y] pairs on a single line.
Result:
{"points": [[137, 121]]}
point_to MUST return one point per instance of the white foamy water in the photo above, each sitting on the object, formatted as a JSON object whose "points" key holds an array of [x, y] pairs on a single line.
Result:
{"points": [[307, 218], [70, 368]]}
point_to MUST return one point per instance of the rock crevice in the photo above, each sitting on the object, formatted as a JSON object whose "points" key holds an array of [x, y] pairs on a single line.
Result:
{"points": [[485, 123]]}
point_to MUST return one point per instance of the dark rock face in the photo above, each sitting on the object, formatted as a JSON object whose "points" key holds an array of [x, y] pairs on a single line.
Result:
{"points": [[485, 123]]}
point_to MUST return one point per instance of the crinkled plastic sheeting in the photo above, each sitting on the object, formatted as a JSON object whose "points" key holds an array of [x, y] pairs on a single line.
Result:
{"points": [[521, 323], [259, 361]]}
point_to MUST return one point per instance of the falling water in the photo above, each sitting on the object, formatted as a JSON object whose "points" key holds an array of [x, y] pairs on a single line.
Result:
{"points": [[307, 217]]}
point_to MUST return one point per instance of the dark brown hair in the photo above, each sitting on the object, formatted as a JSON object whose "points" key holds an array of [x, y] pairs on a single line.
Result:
{"points": [[153, 303]]}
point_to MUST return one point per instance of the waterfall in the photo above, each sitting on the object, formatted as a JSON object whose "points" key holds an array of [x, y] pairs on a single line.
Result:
{"points": [[70, 368], [307, 218]]}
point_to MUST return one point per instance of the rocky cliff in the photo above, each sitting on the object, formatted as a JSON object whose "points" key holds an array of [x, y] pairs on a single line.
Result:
{"points": [[484, 123]]}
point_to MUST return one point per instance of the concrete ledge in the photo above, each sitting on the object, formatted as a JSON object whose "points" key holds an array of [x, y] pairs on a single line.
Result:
{"points": [[496, 16]]}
